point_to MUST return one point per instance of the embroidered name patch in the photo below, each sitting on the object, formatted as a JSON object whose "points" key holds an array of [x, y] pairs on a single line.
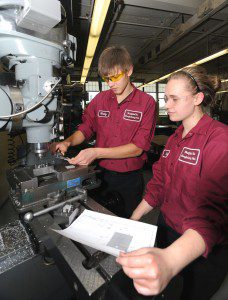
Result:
{"points": [[189, 156], [165, 153], [131, 115], [103, 113]]}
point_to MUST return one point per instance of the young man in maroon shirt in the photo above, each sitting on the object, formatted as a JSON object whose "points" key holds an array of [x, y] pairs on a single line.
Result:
{"points": [[189, 184], [123, 119]]}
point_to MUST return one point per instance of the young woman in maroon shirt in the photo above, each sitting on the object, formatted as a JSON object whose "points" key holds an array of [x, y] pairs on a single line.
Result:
{"points": [[190, 185]]}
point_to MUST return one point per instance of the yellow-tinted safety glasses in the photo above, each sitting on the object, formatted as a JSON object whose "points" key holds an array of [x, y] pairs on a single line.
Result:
{"points": [[113, 78]]}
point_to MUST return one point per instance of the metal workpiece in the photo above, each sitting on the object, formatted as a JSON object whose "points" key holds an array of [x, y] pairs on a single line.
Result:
{"points": [[43, 169], [66, 171], [86, 283]]}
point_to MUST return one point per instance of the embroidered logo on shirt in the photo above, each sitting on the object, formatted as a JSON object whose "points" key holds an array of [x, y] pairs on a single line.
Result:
{"points": [[165, 153], [131, 115], [189, 156], [103, 113]]}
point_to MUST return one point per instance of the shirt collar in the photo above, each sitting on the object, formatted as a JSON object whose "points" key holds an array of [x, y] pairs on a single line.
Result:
{"points": [[130, 97], [201, 127]]}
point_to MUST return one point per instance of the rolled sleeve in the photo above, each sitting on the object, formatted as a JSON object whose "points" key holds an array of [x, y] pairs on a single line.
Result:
{"points": [[210, 215], [145, 133], [88, 126]]}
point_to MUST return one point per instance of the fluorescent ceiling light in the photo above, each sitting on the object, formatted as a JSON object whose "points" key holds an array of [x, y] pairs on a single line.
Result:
{"points": [[197, 63], [92, 45], [85, 72], [87, 62], [210, 57], [224, 80], [83, 79], [156, 80], [222, 92], [99, 14]]}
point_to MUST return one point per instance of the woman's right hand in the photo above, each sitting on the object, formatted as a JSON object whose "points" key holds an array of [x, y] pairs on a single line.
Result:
{"points": [[150, 269]]}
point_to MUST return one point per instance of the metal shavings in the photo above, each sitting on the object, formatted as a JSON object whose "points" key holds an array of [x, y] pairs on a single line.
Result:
{"points": [[1, 243], [15, 245]]}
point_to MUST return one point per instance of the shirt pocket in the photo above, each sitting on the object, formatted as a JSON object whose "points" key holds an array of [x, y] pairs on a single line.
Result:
{"points": [[129, 130], [189, 188], [104, 129]]}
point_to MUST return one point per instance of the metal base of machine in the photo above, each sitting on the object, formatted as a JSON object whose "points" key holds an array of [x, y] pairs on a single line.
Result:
{"points": [[69, 257]]}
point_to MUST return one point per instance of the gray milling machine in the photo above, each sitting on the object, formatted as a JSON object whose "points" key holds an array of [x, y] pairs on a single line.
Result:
{"points": [[46, 191]]}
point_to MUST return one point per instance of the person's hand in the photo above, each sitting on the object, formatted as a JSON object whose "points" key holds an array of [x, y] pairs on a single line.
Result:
{"points": [[150, 269], [85, 157], [59, 146]]}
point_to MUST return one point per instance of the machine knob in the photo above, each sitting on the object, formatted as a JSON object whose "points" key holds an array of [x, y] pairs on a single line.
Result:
{"points": [[28, 216]]}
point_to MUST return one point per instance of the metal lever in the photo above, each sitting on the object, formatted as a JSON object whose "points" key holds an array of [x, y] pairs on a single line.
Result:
{"points": [[94, 260], [30, 215]]}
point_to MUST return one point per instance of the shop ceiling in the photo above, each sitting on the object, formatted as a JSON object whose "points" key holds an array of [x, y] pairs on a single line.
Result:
{"points": [[162, 36]]}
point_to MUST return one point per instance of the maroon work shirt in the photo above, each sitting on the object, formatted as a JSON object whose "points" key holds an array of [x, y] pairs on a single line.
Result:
{"points": [[190, 181], [131, 121]]}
